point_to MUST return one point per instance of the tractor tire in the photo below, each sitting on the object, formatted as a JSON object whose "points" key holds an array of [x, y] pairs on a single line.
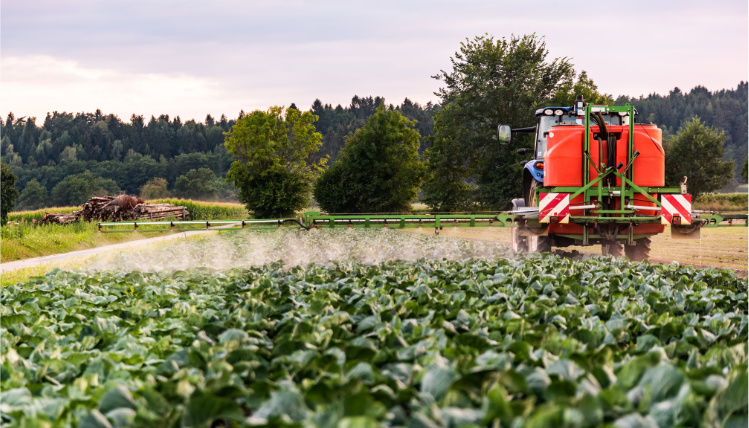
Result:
{"points": [[536, 244], [519, 243], [612, 248], [539, 244], [638, 252], [530, 198]]}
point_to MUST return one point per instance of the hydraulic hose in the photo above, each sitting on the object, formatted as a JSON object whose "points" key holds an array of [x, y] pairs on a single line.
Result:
{"points": [[293, 220], [598, 119], [602, 130]]}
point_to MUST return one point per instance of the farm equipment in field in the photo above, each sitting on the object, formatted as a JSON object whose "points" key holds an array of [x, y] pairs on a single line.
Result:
{"points": [[596, 177]]}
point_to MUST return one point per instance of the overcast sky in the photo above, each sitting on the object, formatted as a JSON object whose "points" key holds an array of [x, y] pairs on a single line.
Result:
{"points": [[191, 58]]}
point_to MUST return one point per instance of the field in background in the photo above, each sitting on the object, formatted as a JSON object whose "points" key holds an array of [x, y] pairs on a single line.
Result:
{"points": [[724, 247], [200, 210], [29, 216]]}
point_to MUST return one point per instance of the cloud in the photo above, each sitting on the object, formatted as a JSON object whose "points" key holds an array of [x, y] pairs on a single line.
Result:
{"points": [[65, 85], [190, 58]]}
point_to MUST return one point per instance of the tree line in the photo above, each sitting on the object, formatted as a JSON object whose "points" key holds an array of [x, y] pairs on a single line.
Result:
{"points": [[449, 149], [725, 110], [136, 154]]}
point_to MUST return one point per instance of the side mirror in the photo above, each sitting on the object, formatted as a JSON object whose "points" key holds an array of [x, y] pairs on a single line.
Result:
{"points": [[504, 134]]}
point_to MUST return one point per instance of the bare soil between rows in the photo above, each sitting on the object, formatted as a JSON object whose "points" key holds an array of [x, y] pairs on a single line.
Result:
{"points": [[723, 248]]}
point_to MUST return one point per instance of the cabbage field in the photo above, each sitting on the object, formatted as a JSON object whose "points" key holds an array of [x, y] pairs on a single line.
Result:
{"points": [[475, 338]]}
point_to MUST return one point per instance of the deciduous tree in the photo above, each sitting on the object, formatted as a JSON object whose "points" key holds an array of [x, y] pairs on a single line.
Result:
{"points": [[77, 189], [275, 160], [697, 152], [33, 196], [156, 188], [199, 184], [491, 82], [378, 170]]}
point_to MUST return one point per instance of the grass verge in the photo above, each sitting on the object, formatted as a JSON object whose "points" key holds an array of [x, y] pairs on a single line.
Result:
{"points": [[25, 240], [21, 239]]}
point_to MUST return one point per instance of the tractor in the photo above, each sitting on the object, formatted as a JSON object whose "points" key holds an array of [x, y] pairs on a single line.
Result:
{"points": [[596, 177]]}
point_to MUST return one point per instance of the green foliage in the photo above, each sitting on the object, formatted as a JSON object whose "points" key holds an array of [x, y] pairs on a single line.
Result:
{"points": [[337, 123], [722, 202], [33, 196], [696, 152], [135, 151], [568, 92], [8, 191], [274, 193], [378, 170], [275, 165], [744, 172], [539, 342], [491, 82], [77, 189], [157, 188], [448, 186], [198, 184]]}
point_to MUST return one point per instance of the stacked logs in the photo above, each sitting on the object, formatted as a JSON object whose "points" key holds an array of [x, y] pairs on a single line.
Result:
{"points": [[160, 212], [118, 208], [106, 208], [58, 218]]}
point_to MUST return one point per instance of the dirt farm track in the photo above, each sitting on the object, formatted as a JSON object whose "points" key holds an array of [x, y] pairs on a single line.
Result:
{"points": [[724, 247]]}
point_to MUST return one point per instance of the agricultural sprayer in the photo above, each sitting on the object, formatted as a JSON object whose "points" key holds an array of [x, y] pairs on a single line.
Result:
{"points": [[596, 177]]}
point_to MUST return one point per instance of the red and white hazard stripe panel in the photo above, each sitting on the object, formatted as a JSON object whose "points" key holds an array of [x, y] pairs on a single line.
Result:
{"points": [[554, 205], [676, 209]]}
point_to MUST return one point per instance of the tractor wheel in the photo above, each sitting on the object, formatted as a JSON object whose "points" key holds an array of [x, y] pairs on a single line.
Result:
{"points": [[612, 248], [536, 244], [530, 199], [519, 243], [539, 244], [640, 251]]}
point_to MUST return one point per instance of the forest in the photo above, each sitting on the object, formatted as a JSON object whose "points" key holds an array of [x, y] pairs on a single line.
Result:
{"points": [[125, 156], [725, 110]]}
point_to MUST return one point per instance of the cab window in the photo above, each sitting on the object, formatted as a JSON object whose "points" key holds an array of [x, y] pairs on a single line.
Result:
{"points": [[546, 122]]}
